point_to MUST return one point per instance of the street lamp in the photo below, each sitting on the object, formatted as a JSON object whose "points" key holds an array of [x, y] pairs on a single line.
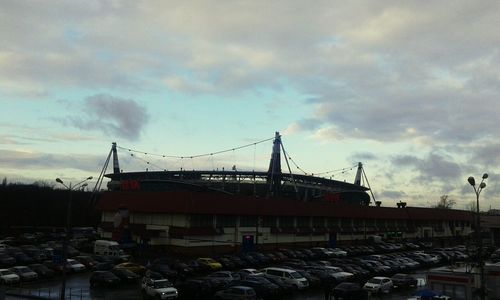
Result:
{"points": [[478, 191], [70, 189]]}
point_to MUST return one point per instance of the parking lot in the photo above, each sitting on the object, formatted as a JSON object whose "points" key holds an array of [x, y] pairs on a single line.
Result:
{"points": [[202, 278]]}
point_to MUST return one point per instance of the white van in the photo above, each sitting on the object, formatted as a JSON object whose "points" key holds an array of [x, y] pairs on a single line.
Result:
{"points": [[291, 276], [108, 248]]}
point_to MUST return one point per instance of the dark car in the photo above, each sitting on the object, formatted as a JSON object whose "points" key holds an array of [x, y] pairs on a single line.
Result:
{"points": [[126, 275], [183, 270], [313, 280], [87, 261], [226, 263], [57, 268], [7, 260], [104, 266], [194, 289], [22, 259], [349, 290], [403, 280], [263, 289], [42, 270], [236, 293], [103, 278], [285, 287], [164, 270]]}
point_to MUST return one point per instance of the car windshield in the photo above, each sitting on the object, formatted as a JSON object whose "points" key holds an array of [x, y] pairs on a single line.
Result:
{"points": [[296, 275], [400, 276], [162, 284], [375, 280], [6, 272]]}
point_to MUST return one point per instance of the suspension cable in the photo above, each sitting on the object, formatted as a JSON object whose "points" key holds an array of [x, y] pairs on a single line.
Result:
{"points": [[197, 155]]}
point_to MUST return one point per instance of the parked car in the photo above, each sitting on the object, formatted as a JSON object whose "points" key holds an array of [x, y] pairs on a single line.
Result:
{"points": [[74, 266], [126, 275], [6, 260], [183, 270], [349, 291], [194, 289], [403, 280], [103, 278], [290, 276], [244, 273], [378, 284], [87, 261], [236, 293], [209, 263], [226, 276], [164, 270], [42, 270], [159, 289], [262, 289], [25, 273], [8, 277], [133, 267]]}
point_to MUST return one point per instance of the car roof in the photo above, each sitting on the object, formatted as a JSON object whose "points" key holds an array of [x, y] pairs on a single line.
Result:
{"points": [[242, 287]]}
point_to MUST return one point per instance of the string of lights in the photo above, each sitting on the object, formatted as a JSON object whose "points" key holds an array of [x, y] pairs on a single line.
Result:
{"points": [[211, 154], [197, 155]]}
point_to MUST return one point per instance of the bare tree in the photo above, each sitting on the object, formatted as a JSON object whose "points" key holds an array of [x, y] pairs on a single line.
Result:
{"points": [[445, 202], [471, 206]]}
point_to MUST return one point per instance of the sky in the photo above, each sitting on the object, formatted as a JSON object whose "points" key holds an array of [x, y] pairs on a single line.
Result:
{"points": [[408, 88]]}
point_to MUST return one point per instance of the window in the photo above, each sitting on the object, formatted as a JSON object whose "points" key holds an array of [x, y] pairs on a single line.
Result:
{"points": [[303, 222], [248, 221], [268, 221], [318, 222], [358, 223], [225, 221], [346, 222], [287, 222], [201, 221], [332, 222]]}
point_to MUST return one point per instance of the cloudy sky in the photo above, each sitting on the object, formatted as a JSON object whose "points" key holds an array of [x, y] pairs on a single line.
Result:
{"points": [[408, 88]]}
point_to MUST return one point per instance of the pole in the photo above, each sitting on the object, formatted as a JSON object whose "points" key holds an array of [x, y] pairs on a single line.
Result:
{"points": [[70, 189], [65, 244], [480, 252]]}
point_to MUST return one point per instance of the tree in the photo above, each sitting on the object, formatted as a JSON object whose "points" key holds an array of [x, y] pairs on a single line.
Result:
{"points": [[471, 206], [445, 202], [4, 182]]}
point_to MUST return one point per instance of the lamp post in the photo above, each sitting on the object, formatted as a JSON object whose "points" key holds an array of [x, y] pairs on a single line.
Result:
{"points": [[70, 189], [478, 190]]}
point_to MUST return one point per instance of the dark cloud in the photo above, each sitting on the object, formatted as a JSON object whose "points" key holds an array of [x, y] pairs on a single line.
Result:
{"points": [[112, 115], [432, 168], [362, 156], [396, 195], [19, 160], [486, 155]]}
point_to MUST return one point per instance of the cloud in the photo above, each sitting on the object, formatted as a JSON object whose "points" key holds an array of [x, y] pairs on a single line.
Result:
{"points": [[434, 167], [362, 156], [24, 160], [112, 115], [397, 195]]}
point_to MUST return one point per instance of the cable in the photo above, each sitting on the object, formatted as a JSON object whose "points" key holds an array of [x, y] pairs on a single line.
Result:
{"points": [[198, 155]]}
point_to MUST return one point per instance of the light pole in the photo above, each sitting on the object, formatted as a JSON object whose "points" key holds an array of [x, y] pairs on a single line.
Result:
{"points": [[70, 189], [478, 190]]}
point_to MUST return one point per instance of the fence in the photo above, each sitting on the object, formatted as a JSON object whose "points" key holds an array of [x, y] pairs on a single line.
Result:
{"points": [[52, 293]]}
